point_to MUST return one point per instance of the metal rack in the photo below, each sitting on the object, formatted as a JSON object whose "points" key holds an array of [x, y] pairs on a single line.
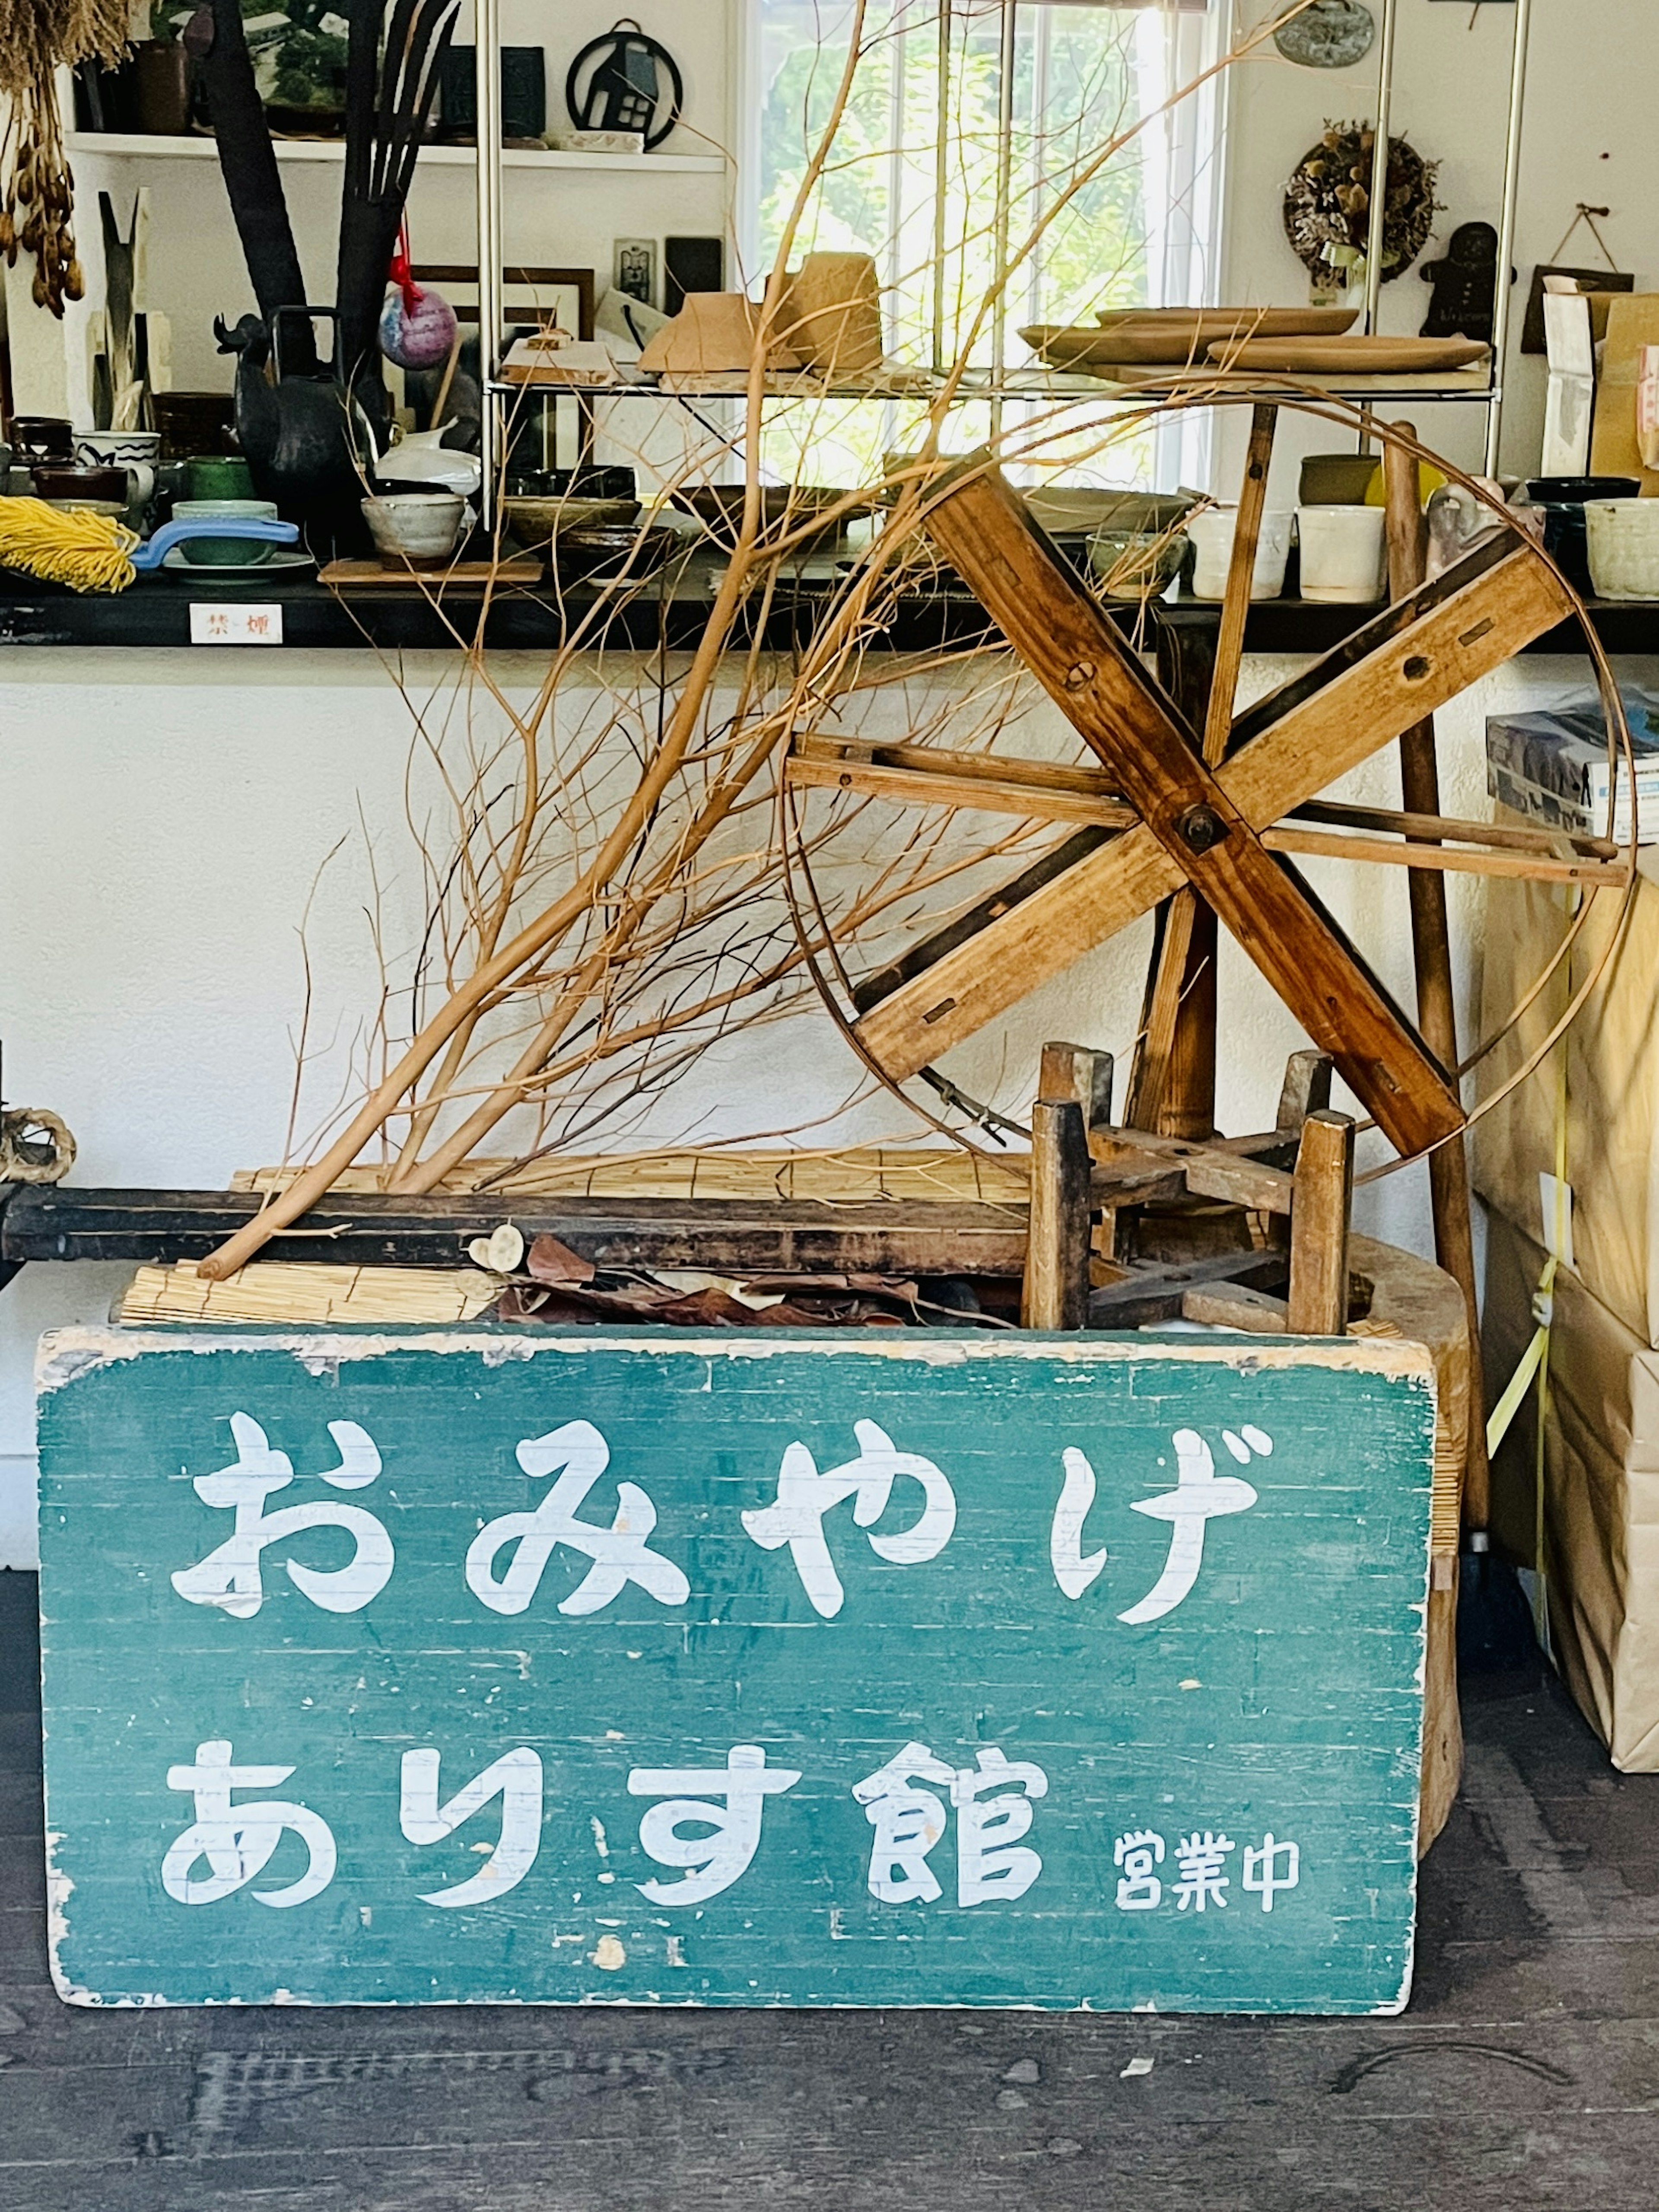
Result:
{"points": [[998, 383], [1500, 322]]}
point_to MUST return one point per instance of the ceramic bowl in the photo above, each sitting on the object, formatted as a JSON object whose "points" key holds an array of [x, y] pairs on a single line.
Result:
{"points": [[534, 521], [224, 552], [719, 507], [66, 484], [1137, 564], [1623, 537], [416, 529]]}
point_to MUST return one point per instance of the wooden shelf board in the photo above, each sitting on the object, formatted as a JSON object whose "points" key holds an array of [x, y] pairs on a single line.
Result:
{"points": [[146, 148]]}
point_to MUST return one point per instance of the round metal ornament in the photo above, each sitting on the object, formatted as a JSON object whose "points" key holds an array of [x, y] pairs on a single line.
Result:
{"points": [[625, 82], [1331, 34]]}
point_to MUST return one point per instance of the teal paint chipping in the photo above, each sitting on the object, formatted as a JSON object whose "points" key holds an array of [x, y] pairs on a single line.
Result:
{"points": [[723, 1670]]}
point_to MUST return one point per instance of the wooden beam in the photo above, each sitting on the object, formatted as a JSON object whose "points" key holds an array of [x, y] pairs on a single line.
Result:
{"points": [[949, 988], [935, 777], [1148, 1295], [1080, 658], [1234, 1305], [1320, 1223], [898, 1238]]}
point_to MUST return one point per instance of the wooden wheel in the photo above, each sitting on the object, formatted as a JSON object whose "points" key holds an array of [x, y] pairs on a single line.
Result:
{"points": [[1194, 810]]}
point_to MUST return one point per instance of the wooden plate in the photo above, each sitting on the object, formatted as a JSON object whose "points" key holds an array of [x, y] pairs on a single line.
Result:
{"points": [[1170, 338], [1353, 356], [1212, 323]]}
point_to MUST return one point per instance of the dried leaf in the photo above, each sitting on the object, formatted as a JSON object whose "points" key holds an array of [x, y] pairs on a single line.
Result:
{"points": [[549, 1261]]}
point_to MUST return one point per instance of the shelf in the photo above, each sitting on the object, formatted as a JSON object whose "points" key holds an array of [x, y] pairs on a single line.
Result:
{"points": [[125, 143], [920, 387]]}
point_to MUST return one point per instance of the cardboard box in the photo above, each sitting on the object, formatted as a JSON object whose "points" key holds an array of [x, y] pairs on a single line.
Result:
{"points": [[1612, 1057], [1601, 1491]]}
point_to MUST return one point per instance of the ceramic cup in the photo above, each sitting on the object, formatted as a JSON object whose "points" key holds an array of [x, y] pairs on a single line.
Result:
{"points": [[1344, 553], [1624, 547], [219, 476], [416, 529], [135, 450], [42, 438], [224, 552], [1212, 535], [1338, 479]]}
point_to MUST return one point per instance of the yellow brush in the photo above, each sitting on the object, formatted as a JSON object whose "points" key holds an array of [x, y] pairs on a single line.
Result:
{"points": [[87, 552], [95, 553]]}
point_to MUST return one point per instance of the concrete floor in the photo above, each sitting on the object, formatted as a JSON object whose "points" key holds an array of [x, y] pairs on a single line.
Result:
{"points": [[1525, 2074]]}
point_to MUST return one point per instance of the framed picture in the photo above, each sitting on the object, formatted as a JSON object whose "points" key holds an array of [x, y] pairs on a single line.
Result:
{"points": [[544, 299]]}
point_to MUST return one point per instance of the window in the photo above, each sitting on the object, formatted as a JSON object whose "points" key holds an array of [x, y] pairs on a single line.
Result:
{"points": [[1031, 94]]}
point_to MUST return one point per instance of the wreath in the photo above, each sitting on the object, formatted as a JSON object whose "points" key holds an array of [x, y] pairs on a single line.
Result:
{"points": [[1327, 206]]}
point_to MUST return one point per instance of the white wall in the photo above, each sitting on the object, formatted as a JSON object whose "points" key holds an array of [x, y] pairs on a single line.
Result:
{"points": [[171, 815], [1589, 136]]}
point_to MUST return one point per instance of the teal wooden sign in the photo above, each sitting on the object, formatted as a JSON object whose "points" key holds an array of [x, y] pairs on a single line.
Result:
{"points": [[671, 1669]]}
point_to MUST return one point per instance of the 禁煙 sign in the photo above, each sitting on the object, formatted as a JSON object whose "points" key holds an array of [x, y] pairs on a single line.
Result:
{"points": [[908, 1669]]}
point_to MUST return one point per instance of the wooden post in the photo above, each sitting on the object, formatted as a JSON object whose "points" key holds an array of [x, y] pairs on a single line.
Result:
{"points": [[1319, 1214], [1437, 1013], [1056, 1294], [1306, 1089], [1079, 1072]]}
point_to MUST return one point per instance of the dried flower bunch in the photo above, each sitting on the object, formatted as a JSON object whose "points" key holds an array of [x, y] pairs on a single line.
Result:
{"points": [[36, 196], [1328, 204]]}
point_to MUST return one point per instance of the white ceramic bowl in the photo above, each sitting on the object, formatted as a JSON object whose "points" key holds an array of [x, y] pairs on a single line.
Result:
{"points": [[1212, 535], [1344, 553], [417, 527], [1624, 547]]}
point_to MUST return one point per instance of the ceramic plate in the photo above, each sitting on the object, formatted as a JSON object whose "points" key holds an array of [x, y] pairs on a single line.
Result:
{"points": [[1330, 34], [280, 557]]}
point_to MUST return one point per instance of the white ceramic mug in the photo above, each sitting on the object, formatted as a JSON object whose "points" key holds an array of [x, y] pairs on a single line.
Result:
{"points": [[1212, 534], [136, 450], [1623, 536], [1344, 553]]}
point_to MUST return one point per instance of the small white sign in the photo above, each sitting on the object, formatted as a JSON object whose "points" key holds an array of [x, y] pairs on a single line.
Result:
{"points": [[213, 625]]}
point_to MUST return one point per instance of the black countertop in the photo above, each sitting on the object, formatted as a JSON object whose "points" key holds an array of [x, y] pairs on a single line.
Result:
{"points": [[155, 610]]}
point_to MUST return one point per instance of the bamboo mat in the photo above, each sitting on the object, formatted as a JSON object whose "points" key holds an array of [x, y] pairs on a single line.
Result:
{"points": [[273, 1293], [858, 1174]]}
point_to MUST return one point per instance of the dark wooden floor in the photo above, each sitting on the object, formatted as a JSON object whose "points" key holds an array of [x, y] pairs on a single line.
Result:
{"points": [[1525, 2074]]}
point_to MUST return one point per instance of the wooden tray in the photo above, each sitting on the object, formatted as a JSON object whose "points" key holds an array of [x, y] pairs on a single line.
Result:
{"points": [[1353, 356], [370, 576]]}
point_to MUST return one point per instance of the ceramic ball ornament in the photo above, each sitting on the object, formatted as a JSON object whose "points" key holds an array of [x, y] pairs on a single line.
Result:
{"points": [[417, 326]]}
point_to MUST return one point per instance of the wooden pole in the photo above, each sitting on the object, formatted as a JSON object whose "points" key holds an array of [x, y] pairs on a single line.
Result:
{"points": [[1173, 1082], [1320, 1214], [1056, 1294], [1437, 1013]]}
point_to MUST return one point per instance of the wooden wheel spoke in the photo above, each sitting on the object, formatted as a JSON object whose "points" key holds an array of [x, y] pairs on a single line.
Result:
{"points": [[1413, 658]]}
